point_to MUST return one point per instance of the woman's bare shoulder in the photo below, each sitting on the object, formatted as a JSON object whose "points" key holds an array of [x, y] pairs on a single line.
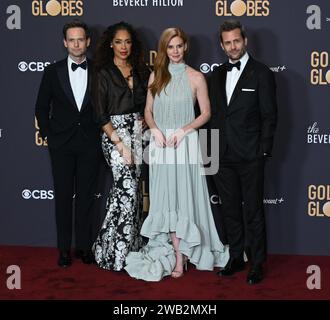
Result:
{"points": [[195, 75]]}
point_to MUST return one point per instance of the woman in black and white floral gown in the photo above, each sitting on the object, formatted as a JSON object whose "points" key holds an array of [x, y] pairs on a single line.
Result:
{"points": [[119, 95]]}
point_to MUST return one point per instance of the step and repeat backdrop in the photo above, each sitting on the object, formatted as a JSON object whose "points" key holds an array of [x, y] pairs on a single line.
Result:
{"points": [[291, 37]]}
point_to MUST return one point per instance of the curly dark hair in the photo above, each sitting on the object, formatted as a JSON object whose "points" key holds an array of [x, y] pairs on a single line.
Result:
{"points": [[104, 54]]}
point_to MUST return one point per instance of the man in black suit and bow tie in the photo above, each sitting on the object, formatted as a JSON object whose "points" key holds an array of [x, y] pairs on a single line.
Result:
{"points": [[65, 117], [244, 109]]}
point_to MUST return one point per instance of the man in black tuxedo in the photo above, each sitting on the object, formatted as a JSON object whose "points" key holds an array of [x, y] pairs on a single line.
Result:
{"points": [[65, 117], [244, 109]]}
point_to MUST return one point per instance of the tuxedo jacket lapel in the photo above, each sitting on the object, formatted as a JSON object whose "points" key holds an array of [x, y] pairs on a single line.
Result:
{"points": [[221, 93], [63, 75], [247, 72], [89, 83]]}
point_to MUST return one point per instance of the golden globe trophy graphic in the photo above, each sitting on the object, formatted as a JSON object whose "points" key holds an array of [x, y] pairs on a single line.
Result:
{"points": [[53, 8], [326, 209], [238, 8]]}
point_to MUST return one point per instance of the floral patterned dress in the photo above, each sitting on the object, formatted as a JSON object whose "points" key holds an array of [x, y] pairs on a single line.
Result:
{"points": [[120, 232]]}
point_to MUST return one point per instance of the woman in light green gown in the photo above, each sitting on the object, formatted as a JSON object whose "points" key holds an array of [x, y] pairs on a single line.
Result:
{"points": [[180, 224]]}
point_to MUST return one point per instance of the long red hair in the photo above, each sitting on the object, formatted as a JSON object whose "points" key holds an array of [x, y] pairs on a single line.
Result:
{"points": [[162, 75]]}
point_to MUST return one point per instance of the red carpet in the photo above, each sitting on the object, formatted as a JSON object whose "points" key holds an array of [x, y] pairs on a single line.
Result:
{"points": [[286, 278]]}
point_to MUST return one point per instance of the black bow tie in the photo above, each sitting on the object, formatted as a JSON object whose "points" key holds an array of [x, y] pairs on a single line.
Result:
{"points": [[75, 66], [229, 66]]}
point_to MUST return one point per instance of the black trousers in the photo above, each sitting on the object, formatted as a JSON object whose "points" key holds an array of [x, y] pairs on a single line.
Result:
{"points": [[241, 188], [75, 168]]}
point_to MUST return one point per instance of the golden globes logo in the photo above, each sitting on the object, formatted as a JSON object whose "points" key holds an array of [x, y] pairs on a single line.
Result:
{"points": [[320, 73], [152, 58], [319, 200], [145, 195], [55, 8], [238, 8], [38, 140]]}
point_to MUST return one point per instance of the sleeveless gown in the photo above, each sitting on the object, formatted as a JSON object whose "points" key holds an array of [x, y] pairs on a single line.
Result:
{"points": [[179, 198]]}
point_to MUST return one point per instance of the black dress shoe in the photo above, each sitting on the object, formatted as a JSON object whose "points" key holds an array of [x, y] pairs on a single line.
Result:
{"points": [[86, 256], [255, 275], [233, 266], [64, 259]]}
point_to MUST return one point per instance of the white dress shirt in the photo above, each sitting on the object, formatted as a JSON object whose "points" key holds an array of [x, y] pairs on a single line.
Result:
{"points": [[233, 76], [78, 81]]}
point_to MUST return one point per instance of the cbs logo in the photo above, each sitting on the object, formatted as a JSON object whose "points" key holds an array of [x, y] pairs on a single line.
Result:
{"points": [[215, 199], [32, 66], [206, 68], [55, 8], [38, 194]]}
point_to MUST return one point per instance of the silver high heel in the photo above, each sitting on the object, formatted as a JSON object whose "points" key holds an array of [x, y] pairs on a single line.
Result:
{"points": [[178, 274]]}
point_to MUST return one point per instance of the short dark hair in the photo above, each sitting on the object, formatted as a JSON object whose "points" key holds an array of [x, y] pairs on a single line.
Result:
{"points": [[230, 25], [76, 24]]}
